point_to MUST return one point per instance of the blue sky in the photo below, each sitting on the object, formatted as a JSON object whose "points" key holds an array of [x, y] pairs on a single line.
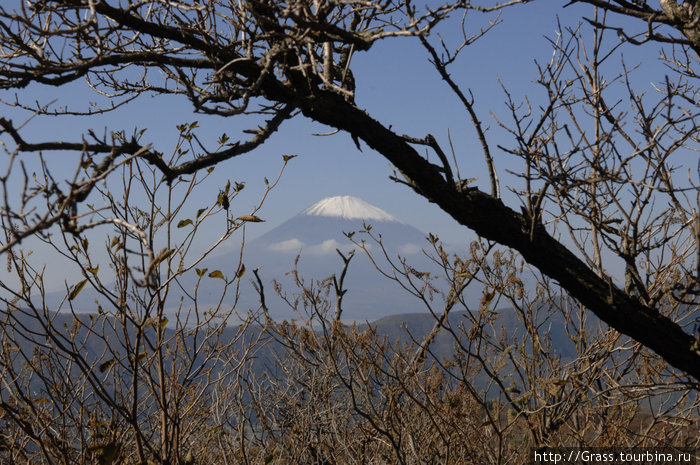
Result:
{"points": [[395, 84]]}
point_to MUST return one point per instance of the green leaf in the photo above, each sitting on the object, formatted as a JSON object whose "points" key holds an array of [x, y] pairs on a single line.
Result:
{"points": [[200, 211], [94, 270], [105, 366], [433, 239], [286, 158], [217, 274], [164, 255], [200, 271], [184, 223], [222, 198], [241, 271], [250, 218], [76, 289]]}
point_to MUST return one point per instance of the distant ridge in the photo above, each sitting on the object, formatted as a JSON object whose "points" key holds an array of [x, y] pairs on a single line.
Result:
{"points": [[348, 207]]}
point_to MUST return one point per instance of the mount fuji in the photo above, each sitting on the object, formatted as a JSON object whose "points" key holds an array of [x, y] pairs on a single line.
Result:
{"points": [[320, 229], [314, 234]]}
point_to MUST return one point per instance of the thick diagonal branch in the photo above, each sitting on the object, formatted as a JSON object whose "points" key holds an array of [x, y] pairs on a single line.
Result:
{"points": [[492, 219]]}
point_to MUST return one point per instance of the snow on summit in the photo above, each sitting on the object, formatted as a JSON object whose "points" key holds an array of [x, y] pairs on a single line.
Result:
{"points": [[348, 207]]}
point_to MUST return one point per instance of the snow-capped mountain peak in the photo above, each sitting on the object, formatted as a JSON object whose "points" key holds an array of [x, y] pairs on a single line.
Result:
{"points": [[348, 207]]}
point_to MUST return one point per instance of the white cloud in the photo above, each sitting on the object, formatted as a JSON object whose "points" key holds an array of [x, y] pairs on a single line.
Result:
{"points": [[329, 246], [409, 249], [290, 245], [324, 247]]}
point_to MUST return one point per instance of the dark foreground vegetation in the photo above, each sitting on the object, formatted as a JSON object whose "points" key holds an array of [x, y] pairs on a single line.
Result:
{"points": [[483, 385], [601, 177]]}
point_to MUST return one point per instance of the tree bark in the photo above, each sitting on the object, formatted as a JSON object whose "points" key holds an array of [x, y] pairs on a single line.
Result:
{"points": [[492, 219]]}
